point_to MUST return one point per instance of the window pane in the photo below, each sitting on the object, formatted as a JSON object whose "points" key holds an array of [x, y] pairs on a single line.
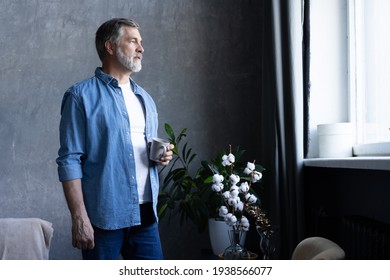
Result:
{"points": [[377, 70]]}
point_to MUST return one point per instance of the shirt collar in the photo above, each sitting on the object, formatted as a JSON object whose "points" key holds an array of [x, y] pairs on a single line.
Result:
{"points": [[111, 80], [105, 77]]}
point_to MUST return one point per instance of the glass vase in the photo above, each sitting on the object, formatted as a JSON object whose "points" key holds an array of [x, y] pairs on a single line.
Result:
{"points": [[235, 251], [266, 245]]}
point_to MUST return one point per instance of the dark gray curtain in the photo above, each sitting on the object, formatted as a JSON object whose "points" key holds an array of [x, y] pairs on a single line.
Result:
{"points": [[282, 120]]}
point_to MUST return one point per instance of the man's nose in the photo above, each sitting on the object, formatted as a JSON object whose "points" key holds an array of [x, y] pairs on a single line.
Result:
{"points": [[140, 49]]}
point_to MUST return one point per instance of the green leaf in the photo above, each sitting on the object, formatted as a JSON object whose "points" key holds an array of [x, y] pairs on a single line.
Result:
{"points": [[191, 159], [188, 154], [183, 154], [181, 135], [162, 211], [208, 180], [169, 131]]}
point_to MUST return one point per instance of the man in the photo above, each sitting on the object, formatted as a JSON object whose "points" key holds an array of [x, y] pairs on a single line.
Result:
{"points": [[107, 121]]}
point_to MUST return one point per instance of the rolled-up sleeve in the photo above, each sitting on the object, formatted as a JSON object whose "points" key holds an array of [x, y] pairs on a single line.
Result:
{"points": [[72, 139]]}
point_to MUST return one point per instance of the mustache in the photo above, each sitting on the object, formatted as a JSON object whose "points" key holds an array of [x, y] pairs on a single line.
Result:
{"points": [[137, 55]]}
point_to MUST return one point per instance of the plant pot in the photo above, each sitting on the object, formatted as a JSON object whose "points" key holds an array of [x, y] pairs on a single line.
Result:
{"points": [[219, 236]]}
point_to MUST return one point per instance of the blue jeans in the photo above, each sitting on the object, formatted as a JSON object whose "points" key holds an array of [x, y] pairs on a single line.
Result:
{"points": [[134, 243]]}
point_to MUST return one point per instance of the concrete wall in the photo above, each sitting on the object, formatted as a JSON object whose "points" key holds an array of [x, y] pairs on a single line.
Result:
{"points": [[201, 64]]}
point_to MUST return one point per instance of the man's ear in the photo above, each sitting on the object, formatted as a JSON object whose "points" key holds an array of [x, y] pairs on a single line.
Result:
{"points": [[110, 47]]}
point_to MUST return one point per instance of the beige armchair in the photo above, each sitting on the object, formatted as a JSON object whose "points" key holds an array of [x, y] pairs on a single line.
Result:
{"points": [[25, 239], [318, 248]]}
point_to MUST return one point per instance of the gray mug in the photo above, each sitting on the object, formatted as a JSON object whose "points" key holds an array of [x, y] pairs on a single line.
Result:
{"points": [[158, 149]]}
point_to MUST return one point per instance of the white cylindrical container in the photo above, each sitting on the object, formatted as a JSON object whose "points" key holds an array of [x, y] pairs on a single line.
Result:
{"points": [[335, 140]]}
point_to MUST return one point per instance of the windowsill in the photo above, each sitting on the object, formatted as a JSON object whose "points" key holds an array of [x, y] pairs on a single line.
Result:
{"points": [[372, 163]]}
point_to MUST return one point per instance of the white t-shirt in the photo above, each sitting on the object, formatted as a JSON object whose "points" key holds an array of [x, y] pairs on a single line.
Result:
{"points": [[136, 114]]}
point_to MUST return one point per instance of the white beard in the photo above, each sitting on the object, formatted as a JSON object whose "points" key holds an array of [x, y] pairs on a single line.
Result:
{"points": [[129, 63]]}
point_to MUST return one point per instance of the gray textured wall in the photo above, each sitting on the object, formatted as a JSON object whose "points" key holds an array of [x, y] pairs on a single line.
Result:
{"points": [[201, 64]]}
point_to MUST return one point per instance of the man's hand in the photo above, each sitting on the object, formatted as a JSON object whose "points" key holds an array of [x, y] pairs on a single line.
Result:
{"points": [[82, 230], [82, 233], [168, 156]]}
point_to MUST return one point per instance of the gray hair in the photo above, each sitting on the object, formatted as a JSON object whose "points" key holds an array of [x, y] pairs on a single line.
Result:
{"points": [[111, 30]]}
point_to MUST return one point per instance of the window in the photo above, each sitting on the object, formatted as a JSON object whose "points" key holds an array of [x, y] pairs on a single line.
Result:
{"points": [[369, 69], [350, 71]]}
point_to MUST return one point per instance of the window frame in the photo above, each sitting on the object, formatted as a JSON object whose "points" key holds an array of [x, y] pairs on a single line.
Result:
{"points": [[317, 102]]}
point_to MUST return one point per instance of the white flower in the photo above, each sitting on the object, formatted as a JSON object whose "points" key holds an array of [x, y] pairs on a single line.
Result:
{"points": [[244, 223], [239, 206], [237, 197], [234, 179], [217, 187], [256, 176], [223, 211], [233, 201], [245, 228], [217, 178], [231, 219], [244, 188], [234, 191], [228, 159], [250, 198], [226, 195], [250, 167], [244, 220]]}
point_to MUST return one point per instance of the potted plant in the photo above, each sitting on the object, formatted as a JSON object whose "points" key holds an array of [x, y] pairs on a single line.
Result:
{"points": [[185, 188], [200, 194]]}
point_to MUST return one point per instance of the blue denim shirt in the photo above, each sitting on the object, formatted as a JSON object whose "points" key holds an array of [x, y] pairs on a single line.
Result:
{"points": [[95, 145]]}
